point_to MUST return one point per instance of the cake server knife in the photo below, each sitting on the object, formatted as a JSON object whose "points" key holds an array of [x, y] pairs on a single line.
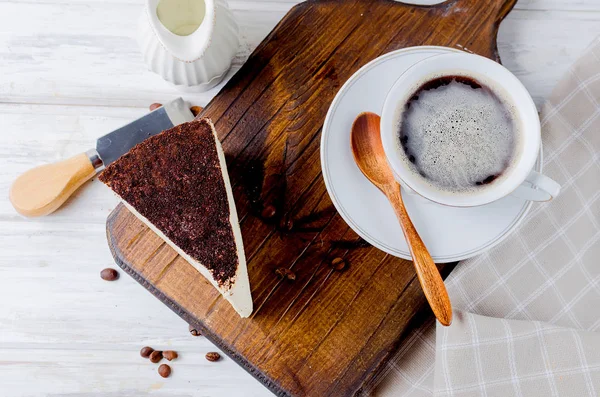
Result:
{"points": [[42, 190]]}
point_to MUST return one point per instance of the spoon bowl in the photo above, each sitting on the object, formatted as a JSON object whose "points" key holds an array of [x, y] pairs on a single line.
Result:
{"points": [[367, 149]]}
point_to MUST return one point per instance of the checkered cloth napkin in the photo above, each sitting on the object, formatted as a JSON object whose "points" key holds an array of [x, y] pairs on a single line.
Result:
{"points": [[527, 313]]}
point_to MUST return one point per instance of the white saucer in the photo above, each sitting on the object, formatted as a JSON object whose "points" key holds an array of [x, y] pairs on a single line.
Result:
{"points": [[451, 234]]}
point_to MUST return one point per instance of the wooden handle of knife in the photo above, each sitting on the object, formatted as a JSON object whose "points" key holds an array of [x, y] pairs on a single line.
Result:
{"points": [[42, 190]]}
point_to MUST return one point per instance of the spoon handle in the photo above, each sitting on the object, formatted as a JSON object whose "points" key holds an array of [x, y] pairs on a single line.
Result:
{"points": [[428, 274]]}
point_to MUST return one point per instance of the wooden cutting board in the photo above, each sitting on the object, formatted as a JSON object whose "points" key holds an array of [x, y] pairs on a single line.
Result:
{"points": [[326, 332]]}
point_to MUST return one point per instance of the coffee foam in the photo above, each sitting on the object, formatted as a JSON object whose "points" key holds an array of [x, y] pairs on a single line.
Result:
{"points": [[459, 136]]}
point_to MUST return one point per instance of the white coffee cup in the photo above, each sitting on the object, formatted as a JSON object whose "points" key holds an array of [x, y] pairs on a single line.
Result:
{"points": [[519, 179]]}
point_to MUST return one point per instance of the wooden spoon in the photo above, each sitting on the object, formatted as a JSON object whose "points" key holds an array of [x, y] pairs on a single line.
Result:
{"points": [[370, 158]]}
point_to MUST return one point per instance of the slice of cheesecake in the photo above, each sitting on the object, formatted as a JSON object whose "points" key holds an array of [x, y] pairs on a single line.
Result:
{"points": [[176, 182]]}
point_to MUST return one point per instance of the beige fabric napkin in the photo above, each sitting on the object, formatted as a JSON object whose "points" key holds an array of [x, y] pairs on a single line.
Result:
{"points": [[526, 311]]}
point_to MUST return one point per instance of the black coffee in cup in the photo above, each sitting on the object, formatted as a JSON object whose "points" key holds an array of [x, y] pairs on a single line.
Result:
{"points": [[458, 133]]}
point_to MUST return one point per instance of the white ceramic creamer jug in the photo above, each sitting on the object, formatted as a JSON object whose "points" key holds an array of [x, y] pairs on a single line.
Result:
{"points": [[190, 43]]}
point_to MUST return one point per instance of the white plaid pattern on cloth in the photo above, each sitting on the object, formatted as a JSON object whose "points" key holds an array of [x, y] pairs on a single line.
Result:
{"points": [[547, 271]]}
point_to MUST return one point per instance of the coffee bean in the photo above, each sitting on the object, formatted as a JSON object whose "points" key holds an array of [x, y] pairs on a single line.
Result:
{"points": [[195, 110], [170, 355], [213, 356], [268, 212], [156, 356], [194, 331], [109, 274], [164, 370], [155, 106], [146, 351], [338, 264], [285, 273]]}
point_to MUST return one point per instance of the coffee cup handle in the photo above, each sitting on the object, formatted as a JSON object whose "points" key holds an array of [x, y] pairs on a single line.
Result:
{"points": [[537, 187]]}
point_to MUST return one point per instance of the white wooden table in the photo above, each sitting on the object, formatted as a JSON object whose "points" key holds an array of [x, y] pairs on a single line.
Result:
{"points": [[70, 71]]}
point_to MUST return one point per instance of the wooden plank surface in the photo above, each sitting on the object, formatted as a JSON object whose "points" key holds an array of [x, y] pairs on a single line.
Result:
{"points": [[326, 332], [64, 330]]}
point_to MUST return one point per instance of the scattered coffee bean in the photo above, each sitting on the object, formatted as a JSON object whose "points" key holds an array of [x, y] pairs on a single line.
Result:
{"points": [[338, 264], [156, 356], [155, 106], [170, 355], [194, 331], [164, 370], [213, 356], [196, 110], [146, 351], [285, 273], [109, 274], [268, 212]]}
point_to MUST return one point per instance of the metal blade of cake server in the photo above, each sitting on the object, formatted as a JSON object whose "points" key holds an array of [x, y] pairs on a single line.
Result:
{"points": [[115, 144]]}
